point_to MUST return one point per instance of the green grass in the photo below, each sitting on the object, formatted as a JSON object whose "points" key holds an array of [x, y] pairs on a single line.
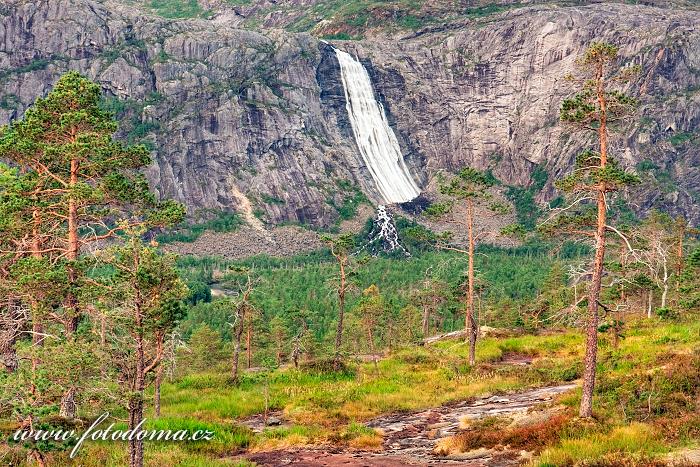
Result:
{"points": [[350, 19], [323, 405], [637, 439], [328, 407], [178, 8]]}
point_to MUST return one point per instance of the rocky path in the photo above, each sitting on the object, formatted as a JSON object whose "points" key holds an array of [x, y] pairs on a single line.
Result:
{"points": [[415, 435], [410, 438]]}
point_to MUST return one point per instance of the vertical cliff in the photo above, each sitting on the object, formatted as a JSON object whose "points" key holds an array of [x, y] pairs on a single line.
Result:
{"points": [[263, 114]]}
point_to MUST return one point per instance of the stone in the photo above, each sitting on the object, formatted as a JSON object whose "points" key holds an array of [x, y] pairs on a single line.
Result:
{"points": [[263, 113]]}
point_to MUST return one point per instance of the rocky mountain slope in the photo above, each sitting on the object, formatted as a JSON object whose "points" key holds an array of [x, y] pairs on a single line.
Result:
{"points": [[240, 118]]}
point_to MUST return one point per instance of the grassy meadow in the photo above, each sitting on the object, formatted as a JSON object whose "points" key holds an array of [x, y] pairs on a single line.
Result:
{"points": [[646, 391]]}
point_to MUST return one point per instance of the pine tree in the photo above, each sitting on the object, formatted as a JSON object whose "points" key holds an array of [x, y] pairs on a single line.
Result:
{"points": [[146, 293], [370, 311], [341, 247], [595, 107], [470, 187], [241, 310], [82, 180], [77, 186]]}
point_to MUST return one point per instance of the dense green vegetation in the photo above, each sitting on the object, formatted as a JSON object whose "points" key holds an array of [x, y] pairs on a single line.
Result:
{"points": [[353, 197], [508, 278], [189, 232], [527, 210]]}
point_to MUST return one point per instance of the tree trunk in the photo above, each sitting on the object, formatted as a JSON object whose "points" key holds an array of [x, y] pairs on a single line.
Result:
{"points": [[664, 293], [8, 354], [341, 309], [135, 445], [240, 326], [470, 324], [159, 375], [156, 390], [68, 406], [426, 320], [103, 341], [248, 339], [590, 359], [38, 457], [236, 354], [37, 324], [72, 317], [679, 254], [650, 301], [370, 339], [139, 384]]}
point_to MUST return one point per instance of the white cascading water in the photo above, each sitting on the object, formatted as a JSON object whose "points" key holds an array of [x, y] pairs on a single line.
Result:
{"points": [[383, 237], [378, 145]]}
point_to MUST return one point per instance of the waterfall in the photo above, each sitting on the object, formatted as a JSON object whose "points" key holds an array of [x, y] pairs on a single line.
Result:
{"points": [[384, 237], [378, 145]]}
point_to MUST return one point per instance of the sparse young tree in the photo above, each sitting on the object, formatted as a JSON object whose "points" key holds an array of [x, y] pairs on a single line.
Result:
{"points": [[431, 295], [682, 231], [690, 281], [165, 319], [654, 238], [595, 107], [242, 315], [411, 318], [341, 247], [303, 342], [145, 291], [470, 187], [279, 335], [370, 311], [204, 350]]}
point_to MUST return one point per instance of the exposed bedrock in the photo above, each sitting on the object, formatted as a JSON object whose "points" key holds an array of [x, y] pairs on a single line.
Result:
{"points": [[230, 112]]}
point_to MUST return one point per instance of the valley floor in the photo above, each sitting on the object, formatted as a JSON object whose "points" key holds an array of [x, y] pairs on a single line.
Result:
{"points": [[426, 403]]}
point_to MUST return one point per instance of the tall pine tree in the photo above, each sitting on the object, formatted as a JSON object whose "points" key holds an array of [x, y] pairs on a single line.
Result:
{"points": [[595, 107]]}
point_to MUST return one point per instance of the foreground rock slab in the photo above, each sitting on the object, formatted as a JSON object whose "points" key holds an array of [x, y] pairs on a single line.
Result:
{"points": [[410, 438], [416, 434]]}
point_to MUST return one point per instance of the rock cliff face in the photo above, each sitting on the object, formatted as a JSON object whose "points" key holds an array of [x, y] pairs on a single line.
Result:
{"points": [[230, 112]]}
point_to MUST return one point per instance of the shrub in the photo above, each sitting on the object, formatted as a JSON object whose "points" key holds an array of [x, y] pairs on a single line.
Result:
{"points": [[327, 366], [666, 313], [531, 437], [205, 349], [413, 356]]}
